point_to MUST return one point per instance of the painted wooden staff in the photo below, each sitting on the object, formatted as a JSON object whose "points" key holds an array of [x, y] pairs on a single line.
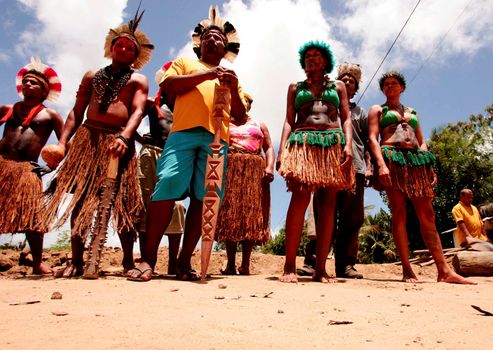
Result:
{"points": [[100, 227], [213, 178]]}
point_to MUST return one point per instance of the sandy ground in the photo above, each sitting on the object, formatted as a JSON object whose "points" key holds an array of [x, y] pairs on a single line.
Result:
{"points": [[242, 312]]}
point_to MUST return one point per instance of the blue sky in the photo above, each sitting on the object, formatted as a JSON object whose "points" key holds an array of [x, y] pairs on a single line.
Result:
{"points": [[454, 83]]}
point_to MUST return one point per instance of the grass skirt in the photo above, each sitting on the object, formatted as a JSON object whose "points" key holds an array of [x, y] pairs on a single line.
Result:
{"points": [[312, 160], [245, 210], [83, 173], [21, 198], [409, 171]]}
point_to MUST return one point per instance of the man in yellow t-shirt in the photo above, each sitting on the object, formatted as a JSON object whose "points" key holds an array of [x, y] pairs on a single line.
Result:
{"points": [[470, 226], [181, 167]]}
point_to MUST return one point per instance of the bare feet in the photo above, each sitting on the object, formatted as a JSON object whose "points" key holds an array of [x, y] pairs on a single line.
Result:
{"points": [[244, 271], [127, 267], [288, 277], [408, 276], [229, 271], [70, 271], [141, 273], [453, 277], [42, 269], [324, 278], [190, 275], [410, 279]]}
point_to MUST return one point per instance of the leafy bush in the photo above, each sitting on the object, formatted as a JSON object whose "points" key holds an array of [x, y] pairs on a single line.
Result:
{"points": [[277, 245], [220, 246], [63, 241]]}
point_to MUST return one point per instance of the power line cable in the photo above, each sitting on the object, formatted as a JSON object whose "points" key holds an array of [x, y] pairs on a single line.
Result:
{"points": [[439, 43], [388, 51]]}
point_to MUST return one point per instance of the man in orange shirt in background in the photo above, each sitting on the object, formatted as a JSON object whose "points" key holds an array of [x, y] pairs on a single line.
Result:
{"points": [[470, 227]]}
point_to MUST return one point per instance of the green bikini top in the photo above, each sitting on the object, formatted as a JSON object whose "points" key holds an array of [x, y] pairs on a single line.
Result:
{"points": [[304, 95], [391, 118]]}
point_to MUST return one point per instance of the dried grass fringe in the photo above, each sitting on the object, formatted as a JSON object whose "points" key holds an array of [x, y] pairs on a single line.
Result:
{"points": [[82, 174], [308, 167], [412, 179], [245, 210], [20, 198]]}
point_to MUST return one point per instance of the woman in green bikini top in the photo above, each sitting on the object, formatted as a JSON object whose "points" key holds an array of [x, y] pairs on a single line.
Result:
{"points": [[396, 125], [315, 154], [317, 112], [399, 126], [405, 172]]}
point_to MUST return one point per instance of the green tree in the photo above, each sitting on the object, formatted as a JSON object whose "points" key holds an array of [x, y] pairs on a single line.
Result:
{"points": [[277, 245], [375, 239], [63, 241], [464, 154]]}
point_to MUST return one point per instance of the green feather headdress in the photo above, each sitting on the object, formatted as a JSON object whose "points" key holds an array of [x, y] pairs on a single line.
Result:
{"points": [[325, 49]]}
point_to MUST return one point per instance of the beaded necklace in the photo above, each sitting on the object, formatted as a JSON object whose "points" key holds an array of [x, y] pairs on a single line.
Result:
{"points": [[107, 85]]}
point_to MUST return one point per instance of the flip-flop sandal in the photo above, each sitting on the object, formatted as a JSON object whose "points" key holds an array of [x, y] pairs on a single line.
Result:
{"points": [[139, 277]]}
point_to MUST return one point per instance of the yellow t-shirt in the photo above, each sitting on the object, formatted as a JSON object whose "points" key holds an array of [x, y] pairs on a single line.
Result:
{"points": [[194, 108], [471, 218]]}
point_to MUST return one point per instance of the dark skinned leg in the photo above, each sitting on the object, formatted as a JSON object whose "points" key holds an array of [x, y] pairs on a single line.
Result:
{"points": [[76, 268], [35, 241], [191, 236], [231, 254], [294, 225], [426, 215], [397, 201], [326, 203], [158, 218], [246, 252], [127, 242], [173, 248]]}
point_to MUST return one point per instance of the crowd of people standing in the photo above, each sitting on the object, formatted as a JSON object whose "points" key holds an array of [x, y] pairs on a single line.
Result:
{"points": [[324, 156]]}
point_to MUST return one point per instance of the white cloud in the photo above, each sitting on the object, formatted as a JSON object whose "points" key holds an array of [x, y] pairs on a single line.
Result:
{"points": [[271, 32], [374, 24], [4, 57], [70, 36]]}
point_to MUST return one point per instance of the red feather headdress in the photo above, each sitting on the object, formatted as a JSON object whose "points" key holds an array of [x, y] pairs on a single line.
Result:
{"points": [[46, 75]]}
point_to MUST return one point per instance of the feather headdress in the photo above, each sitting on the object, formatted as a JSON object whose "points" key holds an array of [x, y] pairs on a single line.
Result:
{"points": [[216, 22], [351, 69], [324, 48], [139, 38], [45, 75]]}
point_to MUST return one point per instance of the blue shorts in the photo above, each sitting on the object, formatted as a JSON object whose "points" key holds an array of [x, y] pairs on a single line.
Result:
{"points": [[181, 167]]}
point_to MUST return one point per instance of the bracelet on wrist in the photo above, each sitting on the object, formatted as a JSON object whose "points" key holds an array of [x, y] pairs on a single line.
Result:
{"points": [[124, 139]]}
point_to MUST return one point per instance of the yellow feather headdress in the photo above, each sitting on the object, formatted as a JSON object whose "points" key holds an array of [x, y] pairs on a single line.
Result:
{"points": [[216, 22], [139, 38]]}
